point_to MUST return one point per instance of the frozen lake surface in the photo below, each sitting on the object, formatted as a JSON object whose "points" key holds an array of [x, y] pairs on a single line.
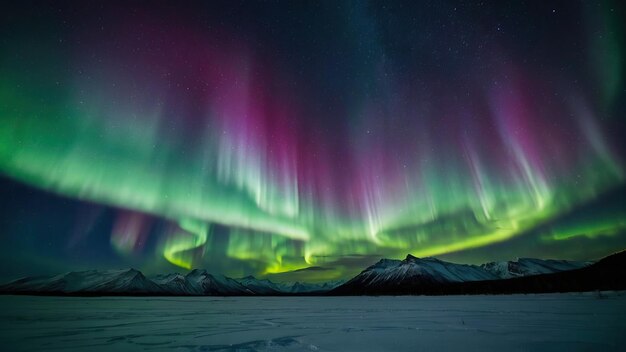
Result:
{"points": [[552, 322]]}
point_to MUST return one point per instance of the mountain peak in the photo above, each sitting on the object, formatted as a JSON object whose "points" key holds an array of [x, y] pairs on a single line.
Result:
{"points": [[410, 258]]}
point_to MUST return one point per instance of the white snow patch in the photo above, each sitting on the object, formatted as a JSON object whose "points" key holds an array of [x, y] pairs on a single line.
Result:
{"points": [[547, 322]]}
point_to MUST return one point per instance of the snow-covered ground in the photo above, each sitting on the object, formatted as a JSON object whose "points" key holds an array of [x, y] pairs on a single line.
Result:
{"points": [[561, 322]]}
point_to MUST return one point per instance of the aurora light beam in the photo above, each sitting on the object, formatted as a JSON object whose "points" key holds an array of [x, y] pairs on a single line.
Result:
{"points": [[372, 143]]}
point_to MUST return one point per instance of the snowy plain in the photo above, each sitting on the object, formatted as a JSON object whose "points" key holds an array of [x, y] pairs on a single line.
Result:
{"points": [[546, 322]]}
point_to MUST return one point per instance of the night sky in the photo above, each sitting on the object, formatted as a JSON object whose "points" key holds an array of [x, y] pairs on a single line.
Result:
{"points": [[308, 139]]}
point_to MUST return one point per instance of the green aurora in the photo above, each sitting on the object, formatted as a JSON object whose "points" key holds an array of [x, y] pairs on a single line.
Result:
{"points": [[211, 136]]}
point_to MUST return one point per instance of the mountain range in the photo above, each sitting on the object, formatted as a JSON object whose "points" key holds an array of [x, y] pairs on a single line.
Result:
{"points": [[197, 282], [411, 275], [416, 274], [430, 276]]}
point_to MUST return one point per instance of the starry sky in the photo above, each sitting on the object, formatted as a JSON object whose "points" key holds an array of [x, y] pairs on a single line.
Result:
{"points": [[305, 140]]}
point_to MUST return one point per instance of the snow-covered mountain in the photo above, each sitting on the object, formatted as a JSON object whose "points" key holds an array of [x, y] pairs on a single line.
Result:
{"points": [[415, 274], [262, 286], [412, 270], [196, 283], [267, 287], [304, 287], [128, 281], [176, 284], [411, 275], [420, 277], [530, 266], [215, 285]]}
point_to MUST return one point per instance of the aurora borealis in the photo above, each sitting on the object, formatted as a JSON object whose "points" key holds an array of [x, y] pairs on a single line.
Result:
{"points": [[263, 138]]}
